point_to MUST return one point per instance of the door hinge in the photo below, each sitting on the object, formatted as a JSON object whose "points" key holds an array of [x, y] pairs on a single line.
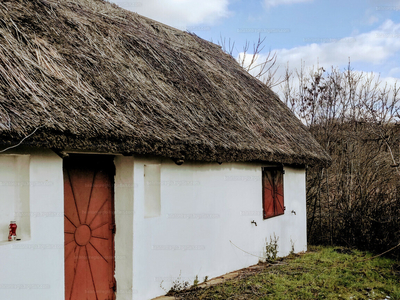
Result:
{"points": [[113, 285], [113, 228]]}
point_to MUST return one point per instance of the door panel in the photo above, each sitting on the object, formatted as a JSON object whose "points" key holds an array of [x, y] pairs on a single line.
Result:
{"points": [[88, 227]]}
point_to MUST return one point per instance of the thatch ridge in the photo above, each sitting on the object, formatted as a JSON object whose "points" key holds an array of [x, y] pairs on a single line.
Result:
{"points": [[92, 76]]}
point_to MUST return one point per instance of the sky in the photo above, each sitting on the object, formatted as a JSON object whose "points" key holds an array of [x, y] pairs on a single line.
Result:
{"points": [[322, 33]]}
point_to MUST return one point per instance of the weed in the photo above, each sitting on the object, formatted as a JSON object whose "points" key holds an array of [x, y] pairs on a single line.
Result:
{"points": [[178, 285], [292, 247], [271, 248], [196, 281], [161, 286]]}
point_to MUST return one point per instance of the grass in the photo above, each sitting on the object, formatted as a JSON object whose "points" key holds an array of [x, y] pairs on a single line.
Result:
{"points": [[321, 273]]}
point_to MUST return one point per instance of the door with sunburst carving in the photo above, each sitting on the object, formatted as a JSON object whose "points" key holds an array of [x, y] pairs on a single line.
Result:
{"points": [[89, 227]]}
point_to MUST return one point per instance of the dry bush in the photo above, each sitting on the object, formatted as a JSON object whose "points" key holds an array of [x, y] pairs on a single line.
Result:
{"points": [[356, 201]]}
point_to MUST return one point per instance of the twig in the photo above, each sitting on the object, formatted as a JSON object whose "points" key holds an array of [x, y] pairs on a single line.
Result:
{"points": [[380, 254], [11, 147]]}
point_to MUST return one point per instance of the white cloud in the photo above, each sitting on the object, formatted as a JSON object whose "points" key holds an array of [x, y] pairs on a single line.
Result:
{"points": [[375, 47], [179, 13], [270, 3], [372, 47], [372, 20], [394, 71]]}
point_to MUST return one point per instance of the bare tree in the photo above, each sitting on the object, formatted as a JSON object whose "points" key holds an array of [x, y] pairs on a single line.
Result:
{"points": [[260, 66]]}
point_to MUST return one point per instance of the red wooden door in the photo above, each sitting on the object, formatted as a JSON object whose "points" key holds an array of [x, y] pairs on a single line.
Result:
{"points": [[89, 227]]}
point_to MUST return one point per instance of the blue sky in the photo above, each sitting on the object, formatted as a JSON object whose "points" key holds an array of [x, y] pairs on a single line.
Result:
{"points": [[323, 31]]}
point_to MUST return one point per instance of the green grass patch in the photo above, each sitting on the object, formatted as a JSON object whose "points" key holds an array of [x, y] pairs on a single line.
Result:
{"points": [[321, 273]]}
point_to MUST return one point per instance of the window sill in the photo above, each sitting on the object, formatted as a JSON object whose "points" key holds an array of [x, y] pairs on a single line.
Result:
{"points": [[3, 243], [273, 216]]}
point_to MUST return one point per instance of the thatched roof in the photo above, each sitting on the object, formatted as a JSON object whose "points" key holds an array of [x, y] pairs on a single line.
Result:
{"points": [[87, 75]]}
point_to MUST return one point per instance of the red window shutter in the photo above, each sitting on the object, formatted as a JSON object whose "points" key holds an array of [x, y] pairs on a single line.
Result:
{"points": [[273, 200], [280, 207]]}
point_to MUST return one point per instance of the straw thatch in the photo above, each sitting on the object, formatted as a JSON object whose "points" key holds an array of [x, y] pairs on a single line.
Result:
{"points": [[87, 75]]}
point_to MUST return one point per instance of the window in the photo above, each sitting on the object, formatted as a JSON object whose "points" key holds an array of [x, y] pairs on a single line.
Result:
{"points": [[272, 182]]}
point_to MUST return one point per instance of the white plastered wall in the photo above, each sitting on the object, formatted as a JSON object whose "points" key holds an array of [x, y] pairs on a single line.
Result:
{"points": [[206, 209], [33, 268], [123, 203], [206, 213]]}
